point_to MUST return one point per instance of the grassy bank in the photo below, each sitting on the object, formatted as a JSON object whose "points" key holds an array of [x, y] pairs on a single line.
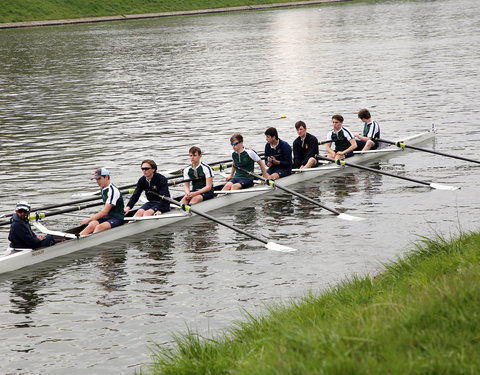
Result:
{"points": [[420, 316], [37, 10]]}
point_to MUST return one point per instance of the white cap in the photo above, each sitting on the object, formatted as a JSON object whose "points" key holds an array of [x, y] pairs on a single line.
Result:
{"points": [[23, 205]]}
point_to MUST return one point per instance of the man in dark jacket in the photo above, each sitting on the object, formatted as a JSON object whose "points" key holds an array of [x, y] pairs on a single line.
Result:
{"points": [[153, 184], [21, 234], [305, 148]]}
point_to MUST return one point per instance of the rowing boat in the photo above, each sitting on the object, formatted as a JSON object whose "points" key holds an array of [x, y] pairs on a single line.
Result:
{"points": [[14, 259]]}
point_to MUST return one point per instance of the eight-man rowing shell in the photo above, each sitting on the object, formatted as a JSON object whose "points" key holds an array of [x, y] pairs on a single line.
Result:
{"points": [[28, 257]]}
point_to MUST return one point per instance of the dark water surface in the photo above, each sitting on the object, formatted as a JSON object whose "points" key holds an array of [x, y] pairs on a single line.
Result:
{"points": [[73, 98]]}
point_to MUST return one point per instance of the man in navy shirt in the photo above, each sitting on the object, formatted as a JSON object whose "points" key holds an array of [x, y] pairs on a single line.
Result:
{"points": [[21, 235], [278, 155]]}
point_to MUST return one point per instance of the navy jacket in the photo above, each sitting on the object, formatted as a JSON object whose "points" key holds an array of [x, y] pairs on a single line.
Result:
{"points": [[283, 153], [158, 184], [21, 235]]}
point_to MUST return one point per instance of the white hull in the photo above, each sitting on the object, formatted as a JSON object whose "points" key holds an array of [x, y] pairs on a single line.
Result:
{"points": [[20, 259]]}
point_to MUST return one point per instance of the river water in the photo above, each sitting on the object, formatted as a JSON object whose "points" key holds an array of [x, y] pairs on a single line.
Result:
{"points": [[73, 98]]}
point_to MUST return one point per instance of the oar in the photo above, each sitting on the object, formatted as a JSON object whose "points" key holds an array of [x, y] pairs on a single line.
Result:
{"points": [[430, 184], [403, 145], [90, 193], [214, 164], [273, 183], [188, 208], [97, 196], [42, 215]]}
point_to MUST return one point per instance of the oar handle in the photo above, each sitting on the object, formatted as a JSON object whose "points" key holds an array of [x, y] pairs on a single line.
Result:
{"points": [[72, 203]]}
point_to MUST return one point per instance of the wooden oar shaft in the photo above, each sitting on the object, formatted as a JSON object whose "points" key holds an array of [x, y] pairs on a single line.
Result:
{"points": [[293, 192], [189, 208], [343, 162], [403, 145]]}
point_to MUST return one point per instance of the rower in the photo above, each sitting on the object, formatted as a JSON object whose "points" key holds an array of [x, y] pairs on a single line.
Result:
{"points": [[201, 175], [21, 234], [343, 138], [246, 159], [368, 140], [111, 215], [153, 184], [305, 148], [278, 155]]}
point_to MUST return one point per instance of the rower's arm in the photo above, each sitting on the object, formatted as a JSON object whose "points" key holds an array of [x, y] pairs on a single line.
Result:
{"points": [[262, 167], [353, 146], [208, 186], [103, 212]]}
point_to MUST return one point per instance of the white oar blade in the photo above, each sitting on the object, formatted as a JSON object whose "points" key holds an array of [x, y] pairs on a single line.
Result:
{"points": [[443, 187], [349, 217], [277, 247]]}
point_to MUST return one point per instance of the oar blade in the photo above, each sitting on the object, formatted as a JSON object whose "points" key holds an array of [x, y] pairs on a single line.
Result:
{"points": [[349, 217], [277, 247], [443, 187]]}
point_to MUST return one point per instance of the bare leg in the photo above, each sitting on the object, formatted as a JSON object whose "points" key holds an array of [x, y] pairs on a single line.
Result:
{"points": [[101, 227], [90, 228]]}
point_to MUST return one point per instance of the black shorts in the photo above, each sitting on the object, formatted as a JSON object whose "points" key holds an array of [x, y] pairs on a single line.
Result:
{"points": [[245, 182], [113, 220], [282, 172]]}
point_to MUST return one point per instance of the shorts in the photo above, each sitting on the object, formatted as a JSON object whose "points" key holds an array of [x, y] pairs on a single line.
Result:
{"points": [[113, 220], [208, 195], [245, 182], [155, 206], [349, 154], [282, 172], [361, 144]]}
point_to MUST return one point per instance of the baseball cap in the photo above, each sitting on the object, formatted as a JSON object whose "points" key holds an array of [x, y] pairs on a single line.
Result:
{"points": [[97, 173], [23, 205]]}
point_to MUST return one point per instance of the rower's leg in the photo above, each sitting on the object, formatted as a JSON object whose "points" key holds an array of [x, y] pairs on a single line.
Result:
{"points": [[90, 228], [196, 199], [101, 227], [311, 163], [148, 212], [368, 145]]}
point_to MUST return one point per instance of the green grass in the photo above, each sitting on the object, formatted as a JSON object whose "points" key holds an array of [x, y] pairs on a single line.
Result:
{"points": [[420, 316], [36, 10]]}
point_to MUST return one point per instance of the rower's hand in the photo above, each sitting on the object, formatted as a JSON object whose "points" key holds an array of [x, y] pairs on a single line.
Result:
{"points": [[85, 221], [228, 178], [127, 209]]}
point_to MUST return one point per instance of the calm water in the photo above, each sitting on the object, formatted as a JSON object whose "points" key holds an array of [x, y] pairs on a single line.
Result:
{"points": [[77, 97]]}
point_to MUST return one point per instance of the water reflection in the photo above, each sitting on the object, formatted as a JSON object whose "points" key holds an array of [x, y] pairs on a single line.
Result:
{"points": [[26, 295]]}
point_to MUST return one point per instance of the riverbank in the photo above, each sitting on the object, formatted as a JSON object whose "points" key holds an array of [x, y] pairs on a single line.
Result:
{"points": [[418, 316], [33, 13]]}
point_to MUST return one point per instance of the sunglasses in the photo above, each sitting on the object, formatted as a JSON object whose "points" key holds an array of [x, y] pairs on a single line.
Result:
{"points": [[145, 168], [234, 143]]}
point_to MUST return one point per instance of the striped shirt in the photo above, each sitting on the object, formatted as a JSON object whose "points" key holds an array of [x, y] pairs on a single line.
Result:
{"points": [[341, 138], [371, 130], [111, 195], [198, 175]]}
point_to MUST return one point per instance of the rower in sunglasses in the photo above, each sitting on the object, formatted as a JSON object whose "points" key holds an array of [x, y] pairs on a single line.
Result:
{"points": [[154, 184], [245, 159]]}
